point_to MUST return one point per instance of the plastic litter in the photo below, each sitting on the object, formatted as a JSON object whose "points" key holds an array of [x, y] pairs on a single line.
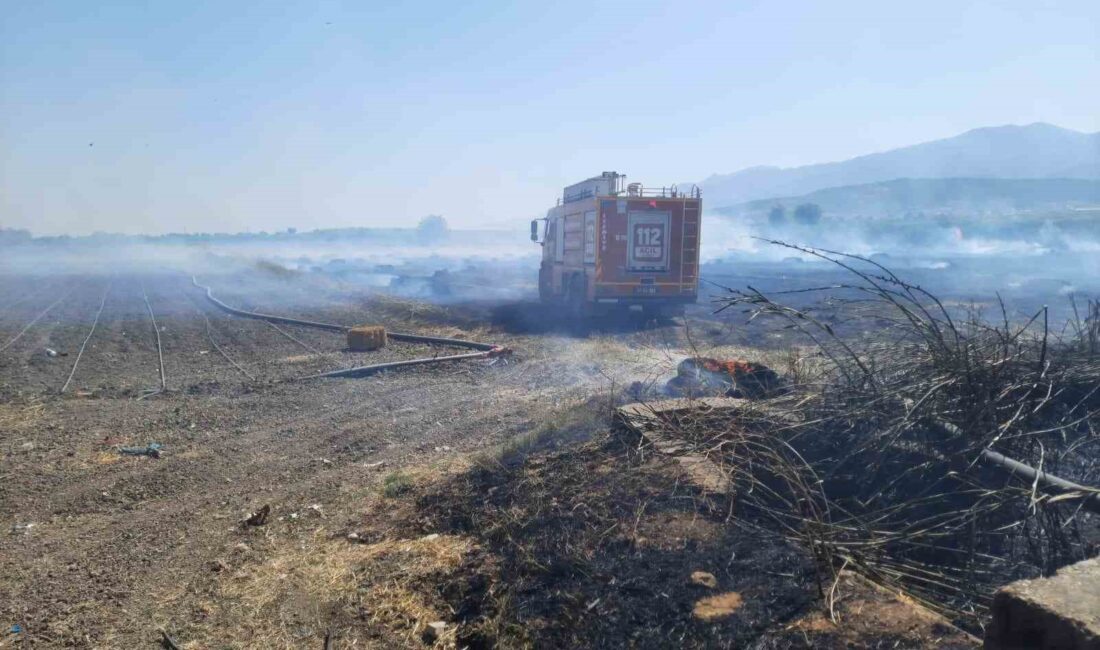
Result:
{"points": [[258, 518], [151, 450]]}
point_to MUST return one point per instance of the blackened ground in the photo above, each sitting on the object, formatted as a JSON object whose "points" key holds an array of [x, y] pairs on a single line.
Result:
{"points": [[583, 546], [594, 547]]}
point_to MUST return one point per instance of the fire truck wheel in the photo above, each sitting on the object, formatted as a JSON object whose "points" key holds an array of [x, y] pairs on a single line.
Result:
{"points": [[577, 301], [545, 292]]}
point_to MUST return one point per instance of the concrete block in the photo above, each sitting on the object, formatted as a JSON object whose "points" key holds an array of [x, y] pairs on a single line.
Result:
{"points": [[1061, 612]]}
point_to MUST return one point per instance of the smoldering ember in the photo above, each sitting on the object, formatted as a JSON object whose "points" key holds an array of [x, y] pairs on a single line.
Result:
{"points": [[351, 325]]}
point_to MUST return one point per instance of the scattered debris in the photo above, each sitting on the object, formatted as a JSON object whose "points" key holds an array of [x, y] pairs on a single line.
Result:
{"points": [[21, 529], [168, 642], [719, 606], [258, 518], [152, 450], [380, 463], [50, 352], [704, 579], [434, 631], [429, 537], [27, 446], [218, 566], [16, 629], [353, 537]]}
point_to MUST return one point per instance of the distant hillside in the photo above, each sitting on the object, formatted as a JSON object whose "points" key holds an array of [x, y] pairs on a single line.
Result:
{"points": [[1035, 151], [906, 195]]}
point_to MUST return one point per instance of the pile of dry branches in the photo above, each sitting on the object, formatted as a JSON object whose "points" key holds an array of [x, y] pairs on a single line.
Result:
{"points": [[890, 456]]}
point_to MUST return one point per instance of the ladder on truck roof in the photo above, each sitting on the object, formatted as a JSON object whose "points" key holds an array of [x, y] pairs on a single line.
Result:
{"points": [[689, 256]]}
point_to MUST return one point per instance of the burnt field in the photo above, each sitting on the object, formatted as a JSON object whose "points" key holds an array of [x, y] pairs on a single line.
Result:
{"points": [[101, 548], [491, 495]]}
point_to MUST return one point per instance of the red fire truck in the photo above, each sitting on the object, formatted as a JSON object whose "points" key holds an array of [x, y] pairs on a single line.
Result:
{"points": [[608, 244]]}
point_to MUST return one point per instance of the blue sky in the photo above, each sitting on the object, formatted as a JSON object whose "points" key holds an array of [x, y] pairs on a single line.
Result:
{"points": [[226, 116]]}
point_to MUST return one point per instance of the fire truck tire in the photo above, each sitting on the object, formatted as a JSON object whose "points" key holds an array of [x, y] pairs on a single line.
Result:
{"points": [[545, 291], [661, 312], [576, 300]]}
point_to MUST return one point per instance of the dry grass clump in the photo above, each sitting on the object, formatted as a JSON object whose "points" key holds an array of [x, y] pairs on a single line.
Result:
{"points": [[572, 421], [366, 595], [18, 416], [396, 484]]}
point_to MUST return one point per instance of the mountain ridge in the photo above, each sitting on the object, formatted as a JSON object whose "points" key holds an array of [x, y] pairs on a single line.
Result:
{"points": [[1035, 151], [903, 196]]}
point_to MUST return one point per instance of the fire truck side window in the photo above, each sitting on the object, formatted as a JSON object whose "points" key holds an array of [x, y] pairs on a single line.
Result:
{"points": [[559, 239]]}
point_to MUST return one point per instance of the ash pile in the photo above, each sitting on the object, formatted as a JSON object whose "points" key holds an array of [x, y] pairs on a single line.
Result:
{"points": [[942, 454]]}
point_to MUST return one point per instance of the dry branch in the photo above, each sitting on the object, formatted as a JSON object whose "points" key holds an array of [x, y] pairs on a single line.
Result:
{"points": [[873, 462]]}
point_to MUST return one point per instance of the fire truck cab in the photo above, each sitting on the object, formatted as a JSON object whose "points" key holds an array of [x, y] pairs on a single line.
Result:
{"points": [[607, 244]]}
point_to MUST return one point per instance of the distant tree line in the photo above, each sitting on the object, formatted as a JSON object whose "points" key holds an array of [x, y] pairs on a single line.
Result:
{"points": [[13, 236], [430, 230]]}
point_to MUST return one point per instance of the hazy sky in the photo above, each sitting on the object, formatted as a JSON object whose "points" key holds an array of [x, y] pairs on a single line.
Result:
{"points": [[225, 116]]}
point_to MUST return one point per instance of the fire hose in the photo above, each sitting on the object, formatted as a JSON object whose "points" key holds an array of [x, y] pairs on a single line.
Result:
{"points": [[484, 350], [1090, 497]]}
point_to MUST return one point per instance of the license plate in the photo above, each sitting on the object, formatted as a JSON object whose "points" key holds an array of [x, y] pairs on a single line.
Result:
{"points": [[646, 290]]}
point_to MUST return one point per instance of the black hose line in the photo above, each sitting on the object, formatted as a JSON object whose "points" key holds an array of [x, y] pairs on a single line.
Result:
{"points": [[484, 349], [1090, 497]]}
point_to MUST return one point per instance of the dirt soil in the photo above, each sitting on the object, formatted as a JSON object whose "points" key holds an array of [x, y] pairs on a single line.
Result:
{"points": [[488, 496]]}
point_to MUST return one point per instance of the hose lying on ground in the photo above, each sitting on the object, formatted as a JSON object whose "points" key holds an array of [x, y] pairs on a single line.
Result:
{"points": [[1090, 497], [485, 350]]}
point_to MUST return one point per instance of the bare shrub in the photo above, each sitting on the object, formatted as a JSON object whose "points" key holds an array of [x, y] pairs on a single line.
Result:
{"points": [[888, 457]]}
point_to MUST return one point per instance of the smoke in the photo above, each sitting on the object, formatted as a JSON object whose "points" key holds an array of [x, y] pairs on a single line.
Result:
{"points": [[1030, 263], [921, 242], [982, 256]]}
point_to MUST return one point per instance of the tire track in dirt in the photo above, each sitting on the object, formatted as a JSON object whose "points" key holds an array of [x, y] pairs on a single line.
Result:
{"points": [[34, 321], [91, 332], [120, 360], [21, 295], [119, 539], [38, 360], [160, 349], [261, 350], [127, 513], [189, 359]]}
